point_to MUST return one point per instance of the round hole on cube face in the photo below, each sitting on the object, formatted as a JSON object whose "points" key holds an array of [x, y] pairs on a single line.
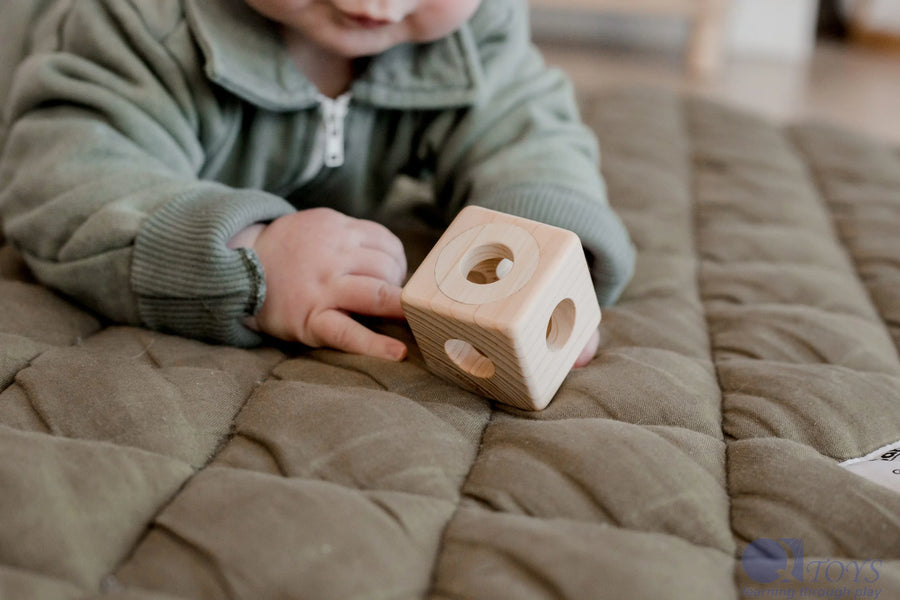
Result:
{"points": [[487, 264], [468, 358], [561, 324]]}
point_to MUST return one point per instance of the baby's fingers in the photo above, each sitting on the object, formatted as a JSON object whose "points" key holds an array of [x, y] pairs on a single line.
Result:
{"points": [[368, 296], [335, 329], [378, 237], [373, 263], [590, 349]]}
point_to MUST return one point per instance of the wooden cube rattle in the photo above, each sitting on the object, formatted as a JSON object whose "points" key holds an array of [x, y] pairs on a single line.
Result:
{"points": [[503, 306]]}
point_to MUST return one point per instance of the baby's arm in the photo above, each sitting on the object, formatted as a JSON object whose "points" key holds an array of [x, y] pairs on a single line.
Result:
{"points": [[100, 187], [321, 265], [524, 150]]}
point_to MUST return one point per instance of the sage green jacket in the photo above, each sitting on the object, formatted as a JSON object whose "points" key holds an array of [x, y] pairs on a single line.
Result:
{"points": [[140, 135]]}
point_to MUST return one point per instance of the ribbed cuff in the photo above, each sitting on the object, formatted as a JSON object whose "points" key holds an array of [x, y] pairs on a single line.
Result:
{"points": [[611, 254], [187, 281]]}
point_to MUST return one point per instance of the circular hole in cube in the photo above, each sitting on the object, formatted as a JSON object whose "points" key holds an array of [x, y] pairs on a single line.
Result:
{"points": [[561, 324], [487, 264], [468, 358]]}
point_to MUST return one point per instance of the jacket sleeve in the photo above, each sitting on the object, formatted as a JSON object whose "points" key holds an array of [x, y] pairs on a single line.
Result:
{"points": [[522, 149], [99, 185]]}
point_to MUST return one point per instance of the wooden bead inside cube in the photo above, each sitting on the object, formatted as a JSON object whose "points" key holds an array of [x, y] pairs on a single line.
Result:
{"points": [[503, 306]]}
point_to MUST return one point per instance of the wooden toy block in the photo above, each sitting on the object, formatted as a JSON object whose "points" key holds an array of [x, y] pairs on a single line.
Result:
{"points": [[503, 306]]}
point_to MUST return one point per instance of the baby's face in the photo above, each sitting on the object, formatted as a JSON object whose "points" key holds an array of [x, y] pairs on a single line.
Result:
{"points": [[355, 28]]}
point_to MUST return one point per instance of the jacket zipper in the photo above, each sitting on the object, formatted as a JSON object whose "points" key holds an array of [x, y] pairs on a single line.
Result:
{"points": [[334, 113]]}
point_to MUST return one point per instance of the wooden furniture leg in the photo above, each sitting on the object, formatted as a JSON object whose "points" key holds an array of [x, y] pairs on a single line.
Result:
{"points": [[705, 50]]}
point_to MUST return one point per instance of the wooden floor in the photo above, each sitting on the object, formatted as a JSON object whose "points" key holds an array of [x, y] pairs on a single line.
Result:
{"points": [[858, 88]]}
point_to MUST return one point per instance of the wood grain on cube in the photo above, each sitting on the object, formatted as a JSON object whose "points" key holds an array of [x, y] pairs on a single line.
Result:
{"points": [[503, 306]]}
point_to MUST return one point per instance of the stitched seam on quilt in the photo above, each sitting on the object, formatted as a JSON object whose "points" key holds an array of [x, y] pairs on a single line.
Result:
{"points": [[440, 548], [37, 410], [220, 445], [78, 341], [220, 578], [698, 277], [818, 182]]}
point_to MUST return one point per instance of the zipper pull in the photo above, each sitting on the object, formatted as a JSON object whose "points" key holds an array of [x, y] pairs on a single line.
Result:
{"points": [[334, 112]]}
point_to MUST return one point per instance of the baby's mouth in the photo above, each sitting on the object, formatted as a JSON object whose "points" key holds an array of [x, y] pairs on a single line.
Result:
{"points": [[364, 21]]}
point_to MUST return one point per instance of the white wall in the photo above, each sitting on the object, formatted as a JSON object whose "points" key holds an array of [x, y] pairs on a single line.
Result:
{"points": [[784, 29], [768, 29], [883, 15]]}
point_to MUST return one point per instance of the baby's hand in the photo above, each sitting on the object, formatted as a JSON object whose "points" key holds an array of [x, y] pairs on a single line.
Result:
{"points": [[590, 349], [321, 265]]}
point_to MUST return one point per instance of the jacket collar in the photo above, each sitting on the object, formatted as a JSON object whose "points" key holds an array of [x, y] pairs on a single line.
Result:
{"points": [[241, 57]]}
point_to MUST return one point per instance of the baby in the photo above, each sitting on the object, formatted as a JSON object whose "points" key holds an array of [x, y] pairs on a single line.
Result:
{"points": [[208, 167]]}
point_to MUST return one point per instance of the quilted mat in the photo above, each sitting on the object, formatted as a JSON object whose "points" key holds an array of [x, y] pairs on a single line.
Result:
{"points": [[702, 454]]}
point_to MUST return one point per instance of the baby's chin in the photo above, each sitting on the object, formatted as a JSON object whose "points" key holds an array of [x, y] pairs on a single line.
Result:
{"points": [[359, 43], [362, 42]]}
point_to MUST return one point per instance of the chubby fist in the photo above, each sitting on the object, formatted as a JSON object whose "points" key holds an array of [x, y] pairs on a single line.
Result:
{"points": [[320, 266]]}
